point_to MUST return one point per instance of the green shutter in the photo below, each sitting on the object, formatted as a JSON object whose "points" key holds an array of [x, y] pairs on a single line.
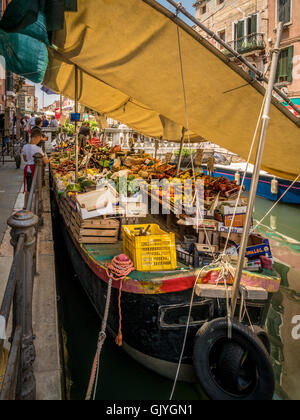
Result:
{"points": [[281, 66], [9, 81], [253, 24], [240, 34], [240, 29], [277, 72], [290, 63]]}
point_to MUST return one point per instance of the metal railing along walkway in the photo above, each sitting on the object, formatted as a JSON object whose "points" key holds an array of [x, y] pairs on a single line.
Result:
{"points": [[19, 380]]}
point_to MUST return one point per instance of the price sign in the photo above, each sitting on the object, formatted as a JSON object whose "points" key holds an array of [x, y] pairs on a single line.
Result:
{"points": [[199, 157], [211, 164], [168, 158]]}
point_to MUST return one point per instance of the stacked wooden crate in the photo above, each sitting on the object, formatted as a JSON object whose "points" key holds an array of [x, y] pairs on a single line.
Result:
{"points": [[95, 231], [92, 231]]}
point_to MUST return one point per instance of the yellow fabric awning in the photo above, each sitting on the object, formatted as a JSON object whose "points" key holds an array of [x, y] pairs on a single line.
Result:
{"points": [[129, 67]]}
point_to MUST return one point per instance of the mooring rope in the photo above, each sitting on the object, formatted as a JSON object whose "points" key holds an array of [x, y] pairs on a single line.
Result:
{"points": [[277, 202], [101, 339], [188, 131], [185, 336], [221, 261], [245, 173], [119, 269]]}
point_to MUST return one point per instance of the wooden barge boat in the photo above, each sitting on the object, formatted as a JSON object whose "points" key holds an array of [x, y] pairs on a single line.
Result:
{"points": [[155, 305]]}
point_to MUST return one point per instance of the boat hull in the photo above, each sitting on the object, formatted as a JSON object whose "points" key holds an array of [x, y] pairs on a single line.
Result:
{"points": [[156, 348], [153, 321], [264, 186]]}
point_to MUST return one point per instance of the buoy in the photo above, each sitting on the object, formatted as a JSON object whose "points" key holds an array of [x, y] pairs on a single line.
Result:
{"points": [[273, 222], [237, 177], [233, 369], [274, 186]]}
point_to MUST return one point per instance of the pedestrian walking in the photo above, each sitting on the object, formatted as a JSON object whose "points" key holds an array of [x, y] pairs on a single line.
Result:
{"points": [[29, 150]]}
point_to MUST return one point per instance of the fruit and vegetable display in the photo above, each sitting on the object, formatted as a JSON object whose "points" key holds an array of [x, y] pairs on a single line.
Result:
{"points": [[103, 164]]}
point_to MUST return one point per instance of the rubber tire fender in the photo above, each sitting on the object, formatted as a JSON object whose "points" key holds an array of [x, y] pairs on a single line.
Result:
{"points": [[263, 336], [213, 332]]}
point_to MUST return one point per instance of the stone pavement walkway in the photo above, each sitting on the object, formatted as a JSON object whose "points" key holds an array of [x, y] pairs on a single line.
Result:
{"points": [[47, 368], [11, 180], [11, 199]]}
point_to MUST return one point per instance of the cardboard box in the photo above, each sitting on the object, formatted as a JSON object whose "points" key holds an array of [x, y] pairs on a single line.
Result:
{"points": [[135, 209], [257, 246], [109, 210], [223, 228], [229, 210], [239, 219]]}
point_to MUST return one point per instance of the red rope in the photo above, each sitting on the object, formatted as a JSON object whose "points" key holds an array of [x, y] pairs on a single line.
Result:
{"points": [[119, 339], [120, 268]]}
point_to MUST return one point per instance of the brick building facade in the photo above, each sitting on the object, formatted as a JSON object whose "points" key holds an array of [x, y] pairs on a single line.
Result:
{"points": [[249, 27], [288, 75], [243, 24]]}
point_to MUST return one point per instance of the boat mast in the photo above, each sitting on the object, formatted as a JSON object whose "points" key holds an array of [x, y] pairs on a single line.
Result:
{"points": [[180, 152], [261, 77], [76, 124], [256, 170]]}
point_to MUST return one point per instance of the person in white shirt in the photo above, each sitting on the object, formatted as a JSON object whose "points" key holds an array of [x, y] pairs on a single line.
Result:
{"points": [[54, 123], [29, 150], [31, 122]]}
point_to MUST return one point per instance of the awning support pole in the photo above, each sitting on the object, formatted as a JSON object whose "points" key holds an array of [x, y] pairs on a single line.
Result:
{"points": [[180, 152], [178, 6], [76, 124], [256, 171]]}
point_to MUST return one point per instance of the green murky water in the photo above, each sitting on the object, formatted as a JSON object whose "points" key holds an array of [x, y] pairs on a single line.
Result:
{"points": [[123, 379], [283, 229]]}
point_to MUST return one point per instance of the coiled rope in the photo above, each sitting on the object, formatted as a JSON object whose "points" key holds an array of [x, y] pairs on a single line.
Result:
{"points": [[119, 269]]}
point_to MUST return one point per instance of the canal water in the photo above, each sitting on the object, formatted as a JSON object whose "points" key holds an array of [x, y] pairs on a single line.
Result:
{"points": [[121, 378]]}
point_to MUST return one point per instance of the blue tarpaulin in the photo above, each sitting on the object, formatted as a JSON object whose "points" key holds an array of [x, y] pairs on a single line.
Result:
{"points": [[48, 91]]}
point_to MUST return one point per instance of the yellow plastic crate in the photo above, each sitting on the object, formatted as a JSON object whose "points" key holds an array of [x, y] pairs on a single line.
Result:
{"points": [[154, 252]]}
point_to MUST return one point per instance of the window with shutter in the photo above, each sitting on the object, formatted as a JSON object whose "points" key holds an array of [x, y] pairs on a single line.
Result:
{"points": [[290, 63], [284, 10], [285, 65], [239, 33], [252, 24], [9, 81]]}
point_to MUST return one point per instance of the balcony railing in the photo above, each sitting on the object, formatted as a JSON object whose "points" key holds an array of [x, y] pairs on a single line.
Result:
{"points": [[247, 44]]}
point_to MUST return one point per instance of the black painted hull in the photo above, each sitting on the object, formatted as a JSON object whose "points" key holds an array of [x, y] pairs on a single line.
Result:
{"points": [[142, 336]]}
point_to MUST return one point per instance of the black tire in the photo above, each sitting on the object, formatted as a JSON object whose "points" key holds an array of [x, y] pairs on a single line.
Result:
{"points": [[263, 336], [18, 161], [236, 369]]}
